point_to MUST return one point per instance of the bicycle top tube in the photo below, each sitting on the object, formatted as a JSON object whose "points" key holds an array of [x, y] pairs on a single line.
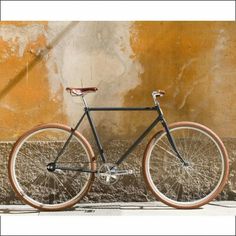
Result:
{"points": [[121, 108]]}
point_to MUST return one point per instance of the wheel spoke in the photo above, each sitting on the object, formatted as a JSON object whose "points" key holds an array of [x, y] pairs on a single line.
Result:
{"points": [[41, 167], [170, 153], [200, 151], [181, 185], [45, 189]]}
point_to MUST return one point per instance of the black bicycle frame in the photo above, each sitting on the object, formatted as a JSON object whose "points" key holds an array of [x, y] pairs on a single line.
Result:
{"points": [[142, 136], [88, 110]]}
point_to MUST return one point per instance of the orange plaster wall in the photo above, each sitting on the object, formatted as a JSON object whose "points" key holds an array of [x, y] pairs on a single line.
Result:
{"points": [[195, 63], [24, 89]]}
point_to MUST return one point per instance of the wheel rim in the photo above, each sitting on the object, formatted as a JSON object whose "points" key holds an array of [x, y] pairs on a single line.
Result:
{"points": [[185, 186], [40, 187]]}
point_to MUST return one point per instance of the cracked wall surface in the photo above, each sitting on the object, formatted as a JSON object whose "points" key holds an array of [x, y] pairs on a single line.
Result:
{"points": [[193, 61]]}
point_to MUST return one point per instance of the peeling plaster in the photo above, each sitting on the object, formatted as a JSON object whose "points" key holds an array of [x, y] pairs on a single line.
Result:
{"points": [[179, 78], [20, 36], [222, 85], [93, 54], [195, 64]]}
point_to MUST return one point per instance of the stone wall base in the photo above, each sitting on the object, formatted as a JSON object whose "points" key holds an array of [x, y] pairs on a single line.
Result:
{"points": [[129, 188]]}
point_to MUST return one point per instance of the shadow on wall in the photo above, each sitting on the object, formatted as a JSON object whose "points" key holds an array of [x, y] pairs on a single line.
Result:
{"points": [[38, 57]]}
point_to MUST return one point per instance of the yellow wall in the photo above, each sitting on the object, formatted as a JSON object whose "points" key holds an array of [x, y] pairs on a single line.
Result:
{"points": [[24, 89], [193, 61]]}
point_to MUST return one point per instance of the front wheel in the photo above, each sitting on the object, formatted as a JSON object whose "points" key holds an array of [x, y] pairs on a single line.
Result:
{"points": [[192, 185], [47, 188]]}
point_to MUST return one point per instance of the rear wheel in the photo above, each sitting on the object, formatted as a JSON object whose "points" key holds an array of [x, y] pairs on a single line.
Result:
{"points": [[188, 186], [46, 189]]}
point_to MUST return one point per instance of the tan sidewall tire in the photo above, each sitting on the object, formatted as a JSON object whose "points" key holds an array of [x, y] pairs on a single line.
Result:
{"points": [[224, 153], [64, 205]]}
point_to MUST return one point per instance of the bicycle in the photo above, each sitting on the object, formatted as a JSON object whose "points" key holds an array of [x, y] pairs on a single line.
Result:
{"points": [[52, 166]]}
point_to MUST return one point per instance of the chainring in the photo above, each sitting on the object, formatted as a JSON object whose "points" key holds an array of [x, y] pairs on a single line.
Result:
{"points": [[107, 174]]}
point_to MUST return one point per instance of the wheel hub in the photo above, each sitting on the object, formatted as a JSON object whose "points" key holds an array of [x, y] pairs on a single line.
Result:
{"points": [[51, 167]]}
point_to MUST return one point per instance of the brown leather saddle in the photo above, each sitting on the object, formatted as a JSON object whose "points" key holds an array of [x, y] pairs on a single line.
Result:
{"points": [[81, 91]]}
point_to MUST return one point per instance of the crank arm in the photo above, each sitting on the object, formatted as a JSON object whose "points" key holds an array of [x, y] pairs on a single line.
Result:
{"points": [[119, 173]]}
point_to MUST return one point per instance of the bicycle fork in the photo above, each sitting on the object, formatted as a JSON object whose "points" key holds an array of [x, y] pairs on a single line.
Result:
{"points": [[172, 142], [169, 136]]}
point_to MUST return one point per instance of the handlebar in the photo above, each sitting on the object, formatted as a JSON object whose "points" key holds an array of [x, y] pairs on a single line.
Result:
{"points": [[156, 94], [159, 93]]}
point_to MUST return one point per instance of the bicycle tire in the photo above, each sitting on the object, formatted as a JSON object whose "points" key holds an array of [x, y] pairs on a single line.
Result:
{"points": [[19, 171], [181, 197]]}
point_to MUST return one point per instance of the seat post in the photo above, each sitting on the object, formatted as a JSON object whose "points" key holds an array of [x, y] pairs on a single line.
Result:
{"points": [[84, 101]]}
